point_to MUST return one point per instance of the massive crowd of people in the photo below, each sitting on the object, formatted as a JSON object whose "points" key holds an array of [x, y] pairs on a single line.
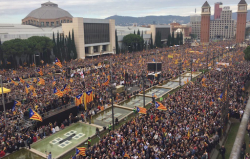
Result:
{"points": [[190, 127]]}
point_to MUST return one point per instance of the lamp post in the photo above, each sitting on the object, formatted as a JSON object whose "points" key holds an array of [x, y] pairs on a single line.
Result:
{"points": [[213, 57], [143, 83], [112, 89], [180, 69], [191, 63], [112, 94], [5, 122], [207, 59]]}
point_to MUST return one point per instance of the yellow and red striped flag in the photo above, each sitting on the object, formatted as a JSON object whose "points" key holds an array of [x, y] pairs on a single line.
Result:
{"points": [[160, 106], [58, 63], [141, 110], [81, 151], [34, 115]]}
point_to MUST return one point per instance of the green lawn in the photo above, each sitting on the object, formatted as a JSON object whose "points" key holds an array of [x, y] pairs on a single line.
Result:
{"points": [[230, 139]]}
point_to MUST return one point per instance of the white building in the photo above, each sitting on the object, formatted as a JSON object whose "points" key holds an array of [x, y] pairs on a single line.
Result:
{"points": [[195, 23], [223, 28], [14, 31]]}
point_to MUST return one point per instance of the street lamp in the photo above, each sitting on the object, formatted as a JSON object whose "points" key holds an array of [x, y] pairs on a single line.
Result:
{"points": [[207, 59], [180, 69], [213, 57], [191, 62], [114, 50], [5, 122], [112, 91], [143, 83]]}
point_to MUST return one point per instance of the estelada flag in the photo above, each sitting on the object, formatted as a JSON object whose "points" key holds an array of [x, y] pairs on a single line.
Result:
{"points": [[107, 81], [41, 81], [58, 92], [58, 63], [141, 110], [80, 151], [160, 106], [13, 82], [78, 99], [21, 80], [40, 72], [88, 97], [18, 103], [34, 115]]}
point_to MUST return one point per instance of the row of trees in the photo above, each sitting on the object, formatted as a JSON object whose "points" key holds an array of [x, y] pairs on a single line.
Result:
{"points": [[20, 52], [64, 47], [134, 42]]}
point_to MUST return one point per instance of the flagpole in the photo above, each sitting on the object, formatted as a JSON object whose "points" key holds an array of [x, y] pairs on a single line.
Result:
{"points": [[5, 122]]}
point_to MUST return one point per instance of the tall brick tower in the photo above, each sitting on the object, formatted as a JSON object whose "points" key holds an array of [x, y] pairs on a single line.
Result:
{"points": [[205, 23], [241, 21]]}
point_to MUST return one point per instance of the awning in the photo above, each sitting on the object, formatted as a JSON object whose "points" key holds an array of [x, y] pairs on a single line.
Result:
{"points": [[5, 90]]}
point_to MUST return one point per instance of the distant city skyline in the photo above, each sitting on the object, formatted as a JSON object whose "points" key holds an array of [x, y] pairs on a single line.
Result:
{"points": [[13, 11]]}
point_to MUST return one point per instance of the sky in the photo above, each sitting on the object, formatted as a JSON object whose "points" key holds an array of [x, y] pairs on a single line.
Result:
{"points": [[13, 11]]}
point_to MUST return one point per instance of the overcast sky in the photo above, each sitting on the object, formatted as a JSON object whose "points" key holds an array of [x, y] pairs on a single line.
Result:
{"points": [[12, 11]]}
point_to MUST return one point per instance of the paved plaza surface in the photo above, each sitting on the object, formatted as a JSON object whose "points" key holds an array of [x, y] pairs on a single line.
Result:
{"points": [[136, 101], [52, 143], [157, 91], [171, 84], [105, 118]]}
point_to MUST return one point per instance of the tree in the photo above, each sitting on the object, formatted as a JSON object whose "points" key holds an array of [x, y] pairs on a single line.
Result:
{"points": [[59, 55], [116, 42], [172, 39], [69, 46], [151, 42], [181, 38], [247, 53], [13, 49], [73, 46], [54, 47], [178, 39], [134, 31], [64, 54], [169, 40], [142, 44], [132, 40], [138, 32], [158, 40]]}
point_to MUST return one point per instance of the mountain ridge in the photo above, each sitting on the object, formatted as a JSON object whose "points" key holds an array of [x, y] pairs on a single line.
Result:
{"points": [[163, 19]]}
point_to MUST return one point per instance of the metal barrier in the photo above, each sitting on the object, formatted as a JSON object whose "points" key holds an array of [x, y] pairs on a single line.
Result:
{"points": [[235, 153]]}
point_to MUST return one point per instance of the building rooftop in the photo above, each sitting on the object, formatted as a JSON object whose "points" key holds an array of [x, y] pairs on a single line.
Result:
{"points": [[242, 2], [206, 4], [49, 10]]}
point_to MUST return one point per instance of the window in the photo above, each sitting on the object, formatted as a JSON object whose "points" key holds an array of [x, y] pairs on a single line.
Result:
{"points": [[42, 23], [67, 21], [52, 23], [57, 23], [47, 24]]}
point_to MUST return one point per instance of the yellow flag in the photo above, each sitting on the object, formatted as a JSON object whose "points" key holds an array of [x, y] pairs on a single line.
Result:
{"points": [[170, 56]]}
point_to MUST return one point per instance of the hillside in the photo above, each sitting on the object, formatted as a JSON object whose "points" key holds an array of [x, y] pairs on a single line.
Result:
{"points": [[127, 21]]}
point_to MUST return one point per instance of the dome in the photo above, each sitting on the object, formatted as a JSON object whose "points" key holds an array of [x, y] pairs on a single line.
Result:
{"points": [[49, 10]]}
